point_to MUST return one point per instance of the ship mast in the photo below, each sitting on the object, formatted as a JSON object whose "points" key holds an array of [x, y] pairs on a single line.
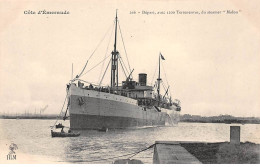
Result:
{"points": [[114, 64], [159, 80]]}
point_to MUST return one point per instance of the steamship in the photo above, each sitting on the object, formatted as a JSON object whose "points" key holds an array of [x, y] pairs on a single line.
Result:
{"points": [[128, 104]]}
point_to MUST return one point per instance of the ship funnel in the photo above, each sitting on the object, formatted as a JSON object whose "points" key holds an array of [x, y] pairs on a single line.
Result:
{"points": [[142, 79]]}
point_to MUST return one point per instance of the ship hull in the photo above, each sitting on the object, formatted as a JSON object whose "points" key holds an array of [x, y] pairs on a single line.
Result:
{"points": [[91, 109], [97, 122]]}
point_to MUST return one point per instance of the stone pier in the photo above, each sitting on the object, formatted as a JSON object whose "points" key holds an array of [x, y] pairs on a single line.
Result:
{"points": [[168, 152]]}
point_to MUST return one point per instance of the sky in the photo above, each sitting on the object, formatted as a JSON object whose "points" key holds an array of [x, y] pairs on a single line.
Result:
{"points": [[212, 61]]}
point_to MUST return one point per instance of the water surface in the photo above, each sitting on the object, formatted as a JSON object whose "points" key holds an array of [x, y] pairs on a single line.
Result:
{"points": [[35, 144]]}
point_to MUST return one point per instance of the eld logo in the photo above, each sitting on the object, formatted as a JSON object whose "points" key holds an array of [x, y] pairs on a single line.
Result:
{"points": [[11, 155]]}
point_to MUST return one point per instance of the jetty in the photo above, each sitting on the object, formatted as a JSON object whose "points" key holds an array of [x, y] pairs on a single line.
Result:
{"points": [[194, 152], [171, 152], [183, 152]]}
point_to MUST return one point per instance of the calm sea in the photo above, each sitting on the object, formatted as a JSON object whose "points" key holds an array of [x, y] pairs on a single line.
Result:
{"points": [[35, 144]]}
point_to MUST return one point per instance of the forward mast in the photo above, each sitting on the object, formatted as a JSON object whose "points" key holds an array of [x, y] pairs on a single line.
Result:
{"points": [[114, 64]]}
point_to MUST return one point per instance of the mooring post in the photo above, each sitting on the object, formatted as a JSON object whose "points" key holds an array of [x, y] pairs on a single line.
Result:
{"points": [[234, 134]]}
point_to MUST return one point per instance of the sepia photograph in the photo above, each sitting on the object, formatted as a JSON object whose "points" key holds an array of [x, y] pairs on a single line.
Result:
{"points": [[129, 82]]}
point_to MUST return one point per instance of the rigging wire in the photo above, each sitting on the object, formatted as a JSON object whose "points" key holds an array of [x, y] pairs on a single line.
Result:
{"points": [[166, 79], [61, 109], [96, 65], [125, 66], [154, 73], [104, 73], [106, 53], [94, 51], [122, 66], [164, 86], [124, 45], [165, 75]]}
